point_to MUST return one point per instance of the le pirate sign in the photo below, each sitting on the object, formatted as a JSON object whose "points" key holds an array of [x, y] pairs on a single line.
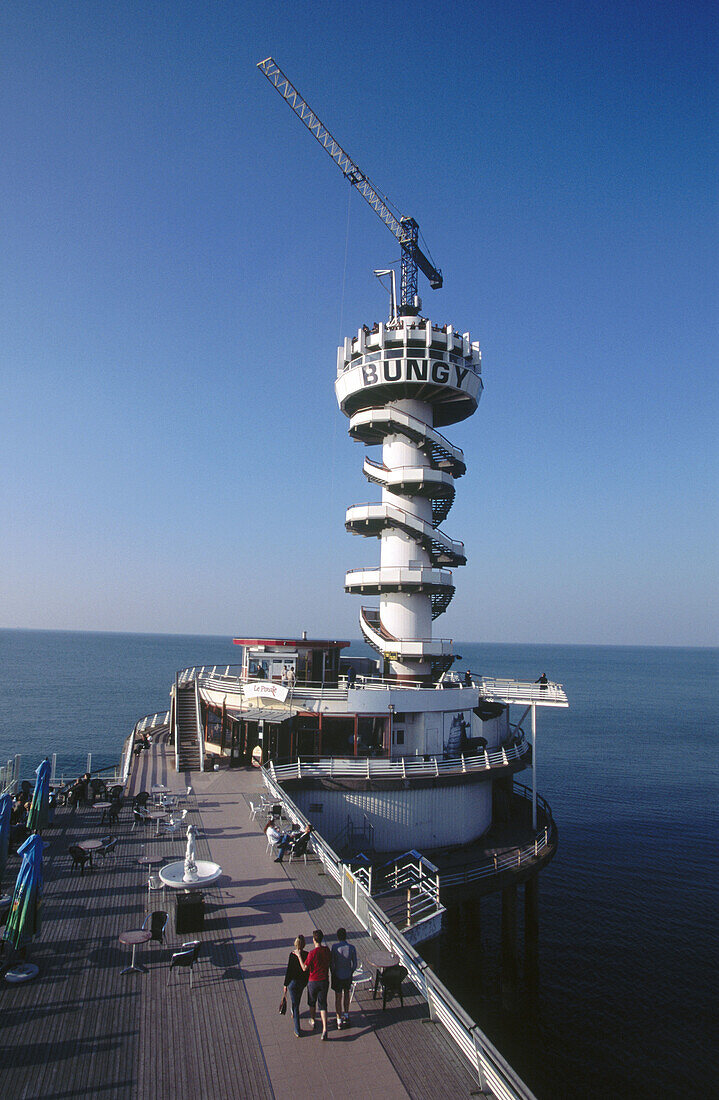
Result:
{"points": [[262, 689]]}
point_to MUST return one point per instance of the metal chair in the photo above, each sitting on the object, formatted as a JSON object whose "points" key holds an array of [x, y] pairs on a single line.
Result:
{"points": [[158, 923], [115, 792], [154, 883], [186, 957], [360, 977], [300, 846], [113, 814], [109, 843], [79, 857], [141, 799], [391, 979], [139, 817]]}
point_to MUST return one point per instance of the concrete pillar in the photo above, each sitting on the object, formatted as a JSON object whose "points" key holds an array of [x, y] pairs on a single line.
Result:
{"points": [[531, 935], [509, 947]]}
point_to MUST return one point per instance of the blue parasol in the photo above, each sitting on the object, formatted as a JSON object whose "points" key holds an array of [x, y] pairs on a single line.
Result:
{"points": [[23, 920], [37, 817], [5, 811]]}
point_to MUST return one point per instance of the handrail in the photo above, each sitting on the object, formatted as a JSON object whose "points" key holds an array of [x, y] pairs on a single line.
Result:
{"points": [[405, 767], [10, 775], [399, 569], [176, 723], [441, 477], [492, 1071], [413, 423], [427, 531], [487, 686], [198, 721], [515, 857]]}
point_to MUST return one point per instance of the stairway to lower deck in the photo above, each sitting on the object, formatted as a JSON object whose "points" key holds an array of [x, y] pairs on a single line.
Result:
{"points": [[189, 749]]}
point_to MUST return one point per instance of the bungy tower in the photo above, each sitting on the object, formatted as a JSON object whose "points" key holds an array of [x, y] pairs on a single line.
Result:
{"points": [[398, 383]]}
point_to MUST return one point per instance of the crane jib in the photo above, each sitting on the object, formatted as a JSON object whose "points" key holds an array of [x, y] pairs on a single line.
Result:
{"points": [[406, 230]]}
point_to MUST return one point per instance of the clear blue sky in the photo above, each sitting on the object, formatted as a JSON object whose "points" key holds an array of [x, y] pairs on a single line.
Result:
{"points": [[174, 288]]}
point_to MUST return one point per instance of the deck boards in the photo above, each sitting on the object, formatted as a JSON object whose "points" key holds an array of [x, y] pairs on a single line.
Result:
{"points": [[83, 1029]]}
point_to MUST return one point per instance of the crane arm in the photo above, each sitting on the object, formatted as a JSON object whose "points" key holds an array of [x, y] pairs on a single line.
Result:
{"points": [[404, 229]]}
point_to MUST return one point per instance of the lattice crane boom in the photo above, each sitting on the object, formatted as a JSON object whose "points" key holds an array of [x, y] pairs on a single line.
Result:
{"points": [[405, 229]]}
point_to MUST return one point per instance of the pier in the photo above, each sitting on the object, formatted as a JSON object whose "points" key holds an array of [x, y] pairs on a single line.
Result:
{"points": [[83, 1027]]}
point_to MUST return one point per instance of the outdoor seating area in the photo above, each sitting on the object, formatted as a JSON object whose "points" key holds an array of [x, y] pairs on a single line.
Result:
{"points": [[122, 958]]}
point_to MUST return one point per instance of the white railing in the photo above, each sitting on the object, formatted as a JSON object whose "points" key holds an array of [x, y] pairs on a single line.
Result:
{"points": [[405, 767], [489, 688], [517, 691], [513, 857], [198, 721], [493, 1072], [392, 514], [418, 427], [10, 775], [176, 721], [126, 758]]}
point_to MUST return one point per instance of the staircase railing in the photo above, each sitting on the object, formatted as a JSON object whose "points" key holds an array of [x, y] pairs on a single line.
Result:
{"points": [[176, 722], [198, 721]]}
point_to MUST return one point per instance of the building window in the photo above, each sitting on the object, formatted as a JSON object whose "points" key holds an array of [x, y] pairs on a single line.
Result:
{"points": [[399, 737]]}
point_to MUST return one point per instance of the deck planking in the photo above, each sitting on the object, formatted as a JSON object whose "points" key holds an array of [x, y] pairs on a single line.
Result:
{"points": [[83, 1029]]}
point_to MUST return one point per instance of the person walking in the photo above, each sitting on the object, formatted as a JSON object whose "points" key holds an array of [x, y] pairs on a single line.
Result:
{"points": [[317, 968], [343, 963], [296, 981]]}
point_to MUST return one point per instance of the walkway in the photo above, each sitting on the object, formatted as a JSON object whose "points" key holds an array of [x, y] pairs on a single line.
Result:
{"points": [[84, 1028]]}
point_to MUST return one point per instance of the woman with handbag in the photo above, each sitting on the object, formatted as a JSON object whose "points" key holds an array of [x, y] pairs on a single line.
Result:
{"points": [[295, 982]]}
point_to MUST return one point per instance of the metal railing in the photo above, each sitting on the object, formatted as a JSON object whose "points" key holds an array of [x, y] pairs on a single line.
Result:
{"points": [[493, 1072], [418, 880], [488, 687], [198, 721], [10, 775], [521, 691], [403, 767], [513, 857], [176, 721]]}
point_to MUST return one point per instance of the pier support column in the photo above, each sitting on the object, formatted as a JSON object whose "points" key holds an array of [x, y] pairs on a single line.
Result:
{"points": [[531, 935], [509, 947]]}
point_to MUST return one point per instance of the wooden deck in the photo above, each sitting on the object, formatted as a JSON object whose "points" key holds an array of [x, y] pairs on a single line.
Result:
{"points": [[83, 1029]]}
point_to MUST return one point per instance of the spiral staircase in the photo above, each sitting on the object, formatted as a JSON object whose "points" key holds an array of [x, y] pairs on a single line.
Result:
{"points": [[396, 383]]}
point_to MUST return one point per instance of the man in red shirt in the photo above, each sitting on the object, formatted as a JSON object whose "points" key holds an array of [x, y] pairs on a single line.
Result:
{"points": [[317, 966]]}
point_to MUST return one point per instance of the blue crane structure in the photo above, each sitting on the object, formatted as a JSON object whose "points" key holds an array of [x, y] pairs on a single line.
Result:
{"points": [[405, 229]]}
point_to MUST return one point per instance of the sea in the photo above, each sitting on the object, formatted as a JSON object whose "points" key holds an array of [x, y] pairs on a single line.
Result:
{"points": [[628, 916]]}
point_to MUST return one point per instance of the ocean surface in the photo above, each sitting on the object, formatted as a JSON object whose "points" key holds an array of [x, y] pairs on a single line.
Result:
{"points": [[629, 907]]}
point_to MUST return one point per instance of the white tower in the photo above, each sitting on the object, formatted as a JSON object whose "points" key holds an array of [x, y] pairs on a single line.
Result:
{"points": [[398, 383]]}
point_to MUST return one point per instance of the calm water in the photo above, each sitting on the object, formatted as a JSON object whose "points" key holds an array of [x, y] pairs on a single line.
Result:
{"points": [[628, 908]]}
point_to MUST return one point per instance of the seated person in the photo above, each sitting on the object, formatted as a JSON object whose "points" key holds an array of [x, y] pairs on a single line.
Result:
{"points": [[280, 841], [77, 792], [299, 838]]}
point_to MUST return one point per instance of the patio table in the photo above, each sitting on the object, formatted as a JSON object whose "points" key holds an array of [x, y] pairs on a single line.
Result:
{"points": [[133, 937], [157, 816], [90, 846]]}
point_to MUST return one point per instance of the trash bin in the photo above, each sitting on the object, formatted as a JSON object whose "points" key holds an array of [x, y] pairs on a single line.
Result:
{"points": [[189, 911]]}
